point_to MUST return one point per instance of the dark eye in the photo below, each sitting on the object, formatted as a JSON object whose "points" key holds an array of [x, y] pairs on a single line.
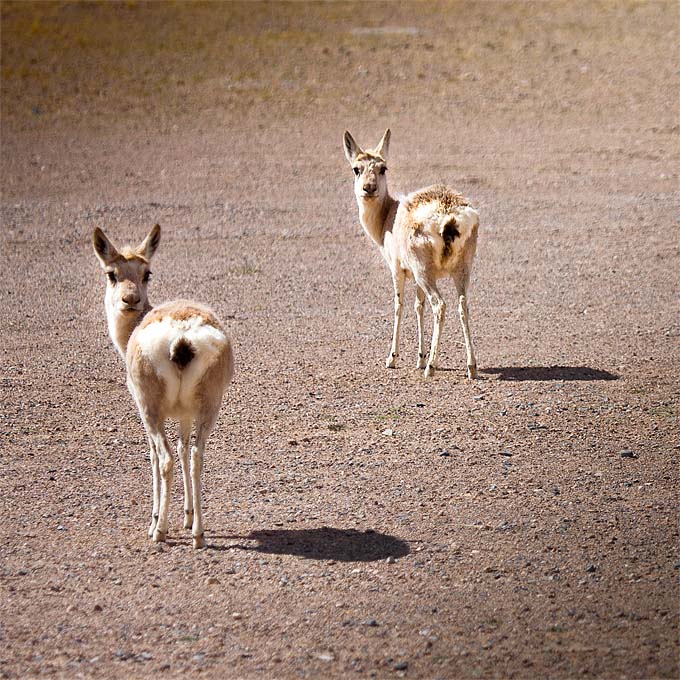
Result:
{"points": [[111, 276], [147, 276], [383, 170], [357, 172]]}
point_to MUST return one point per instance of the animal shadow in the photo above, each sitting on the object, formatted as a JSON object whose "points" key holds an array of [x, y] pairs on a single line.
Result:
{"points": [[551, 373], [326, 543]]}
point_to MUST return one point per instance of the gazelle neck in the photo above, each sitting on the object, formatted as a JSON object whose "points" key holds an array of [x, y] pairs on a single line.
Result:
{"points": [[377, 217], [122, 324]]}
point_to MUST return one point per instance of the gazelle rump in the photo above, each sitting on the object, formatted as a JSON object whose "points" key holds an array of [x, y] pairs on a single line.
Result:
{"points": [[179, 362], [426, 235]]}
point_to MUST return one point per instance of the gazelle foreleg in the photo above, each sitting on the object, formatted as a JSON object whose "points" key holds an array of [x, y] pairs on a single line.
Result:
{"points": [[398, 279]]}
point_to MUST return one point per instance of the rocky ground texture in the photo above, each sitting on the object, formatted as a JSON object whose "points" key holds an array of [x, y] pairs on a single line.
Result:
{"points": [[360, 522]]}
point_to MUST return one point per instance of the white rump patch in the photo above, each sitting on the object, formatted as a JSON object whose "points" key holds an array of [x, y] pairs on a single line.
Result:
{"points": [[155, 341]]}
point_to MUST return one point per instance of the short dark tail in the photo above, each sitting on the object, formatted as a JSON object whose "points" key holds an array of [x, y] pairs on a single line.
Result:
{"points": [[182, 352], [449, 233]]}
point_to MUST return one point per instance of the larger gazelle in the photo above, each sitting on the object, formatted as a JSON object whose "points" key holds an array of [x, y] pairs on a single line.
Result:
{"points": [[179, 362], [427, 235]]}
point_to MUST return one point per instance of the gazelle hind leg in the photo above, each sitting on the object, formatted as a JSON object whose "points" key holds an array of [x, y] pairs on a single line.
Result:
{"points": [[439, 312], [203, 430], [461, 286], [469, 349], [183, 452], [166, 465], [419, 307], [398, 279], [156, 481]]}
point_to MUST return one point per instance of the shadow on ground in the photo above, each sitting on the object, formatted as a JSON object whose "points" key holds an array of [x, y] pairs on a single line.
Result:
{"points": [[324, 543], [550, 373]]}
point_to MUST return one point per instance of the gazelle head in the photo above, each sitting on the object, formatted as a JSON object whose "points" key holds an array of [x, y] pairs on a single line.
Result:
{"points": [[370, 167], [128, 273], [127, 270]]}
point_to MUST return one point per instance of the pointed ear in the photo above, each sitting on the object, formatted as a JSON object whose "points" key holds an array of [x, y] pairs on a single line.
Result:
{"points": [[149, 245], [352, 149], [103, 248], [384, 144]]}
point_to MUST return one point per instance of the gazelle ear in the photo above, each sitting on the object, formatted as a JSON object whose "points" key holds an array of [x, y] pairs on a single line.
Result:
{"points": [[352, 149], [105, 251], [150, 244], [384, 144]]}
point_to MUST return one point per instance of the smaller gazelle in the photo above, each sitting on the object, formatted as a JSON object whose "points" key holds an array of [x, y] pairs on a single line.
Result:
{"points": [[426, 235], [179, 362]]}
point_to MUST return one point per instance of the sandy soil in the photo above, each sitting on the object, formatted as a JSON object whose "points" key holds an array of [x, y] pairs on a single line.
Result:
{"points": [[361, 522]]}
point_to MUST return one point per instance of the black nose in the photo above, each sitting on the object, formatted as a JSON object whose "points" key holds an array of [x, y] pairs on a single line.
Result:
{"points": [[131, 299], [369, 188]]}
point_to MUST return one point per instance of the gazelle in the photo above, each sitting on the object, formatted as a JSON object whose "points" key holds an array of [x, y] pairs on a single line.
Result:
{"points": [[179, 362], [426, 235]]}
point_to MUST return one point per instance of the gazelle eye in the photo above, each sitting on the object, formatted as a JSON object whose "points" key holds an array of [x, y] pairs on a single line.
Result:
{"points": [[383, 170], [357, 172], [111, 276], [146, 277]]}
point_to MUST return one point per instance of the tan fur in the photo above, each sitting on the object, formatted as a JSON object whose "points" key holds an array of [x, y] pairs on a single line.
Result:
{"points": [[427, 235], [189, 391], [446, 199], [182, 310]]}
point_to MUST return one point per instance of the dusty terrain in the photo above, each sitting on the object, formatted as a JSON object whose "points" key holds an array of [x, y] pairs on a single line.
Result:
{"points": [[360, 522]]}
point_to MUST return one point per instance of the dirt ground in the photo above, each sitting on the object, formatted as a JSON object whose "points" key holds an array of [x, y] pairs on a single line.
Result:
{"points": [[360, 522]]}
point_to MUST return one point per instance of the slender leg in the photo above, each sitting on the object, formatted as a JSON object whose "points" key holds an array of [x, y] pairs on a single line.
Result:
{"points": [[439, 311], [461, 285], [155, 474], [470, 350], [419, 305], [398, 279], [203, 430], [183, 452], [166, 465]]}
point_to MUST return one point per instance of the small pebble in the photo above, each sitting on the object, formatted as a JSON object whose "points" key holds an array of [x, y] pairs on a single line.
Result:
{"points": [[627, 453], [401, 666], [390, 560], [371, 623], [591, 568], [211, 581]]}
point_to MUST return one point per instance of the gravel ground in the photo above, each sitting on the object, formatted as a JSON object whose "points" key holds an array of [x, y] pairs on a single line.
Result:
{"points": [[360, 522]]}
